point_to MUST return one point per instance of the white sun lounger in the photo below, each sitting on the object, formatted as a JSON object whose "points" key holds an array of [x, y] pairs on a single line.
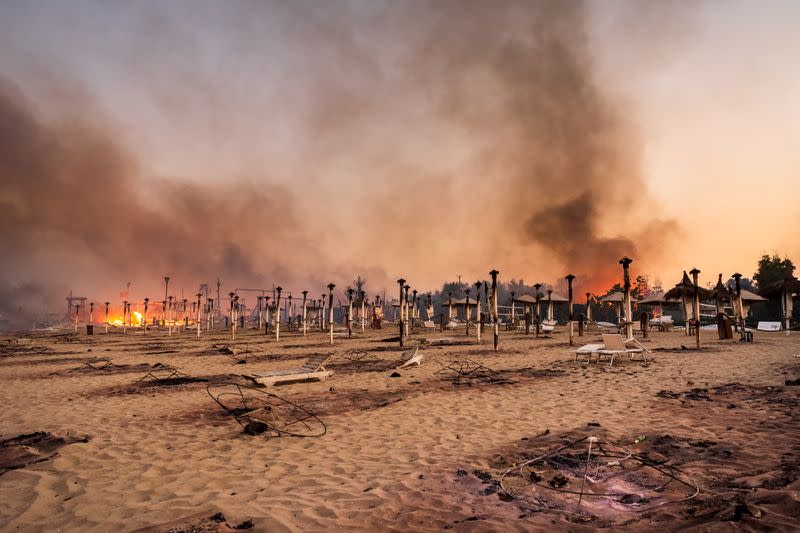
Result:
{"points": [[312, 369], [769, 326], [429, 324], [613, 345], [588, 350]]}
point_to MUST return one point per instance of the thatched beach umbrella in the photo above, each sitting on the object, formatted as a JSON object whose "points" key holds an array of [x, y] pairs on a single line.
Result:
{"points": [[720, 293], [683, 291], [616, 298]]}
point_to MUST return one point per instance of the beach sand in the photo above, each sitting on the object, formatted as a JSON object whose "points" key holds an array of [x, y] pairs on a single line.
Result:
{"points": [[418, 451]]}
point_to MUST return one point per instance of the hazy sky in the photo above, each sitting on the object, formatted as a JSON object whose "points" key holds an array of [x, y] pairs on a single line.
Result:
{"points": [[326, 139]]}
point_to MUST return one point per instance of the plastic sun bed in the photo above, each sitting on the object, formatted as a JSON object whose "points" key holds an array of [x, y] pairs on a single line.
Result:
{"points": [[613, 345], [768, 326], [313, 369]]}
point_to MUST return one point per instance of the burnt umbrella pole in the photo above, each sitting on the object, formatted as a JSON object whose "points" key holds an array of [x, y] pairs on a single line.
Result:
{"points": [[466, 309], [570, 278], [305, 312], [401, 282], [414, 308], [278, 313], [144, 316], [166, 292], [363, 311], [330, 310], [169, 316], [124, 316], [107, 304], [407, 310], [199, 295], [349, 312], [478, 319], [696, 305], [494, 309], [538, 308], [626, 294], [185, 315], [232, 315], [739, 304]]}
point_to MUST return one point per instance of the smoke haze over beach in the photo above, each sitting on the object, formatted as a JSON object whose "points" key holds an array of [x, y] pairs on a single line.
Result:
{"points": [[300, 143]]}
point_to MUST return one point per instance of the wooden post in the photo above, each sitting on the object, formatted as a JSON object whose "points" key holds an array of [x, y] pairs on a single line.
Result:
{"points": [[696, 305], [588, 307], [166, 292], [513, 310], [144, 316], [305, 312], [449, 307], [550, 304], [626, 287], [278, 313], [349, 312], [233, 315], [537, 316], [124, 315], [739, 304], [466, 309], [400, 282], [478, 316], [330, 311], [107, 304], [407, 310], [198, 295], [570, 278], [363, 311], [414, 309], [494, 309], [169, 313]]}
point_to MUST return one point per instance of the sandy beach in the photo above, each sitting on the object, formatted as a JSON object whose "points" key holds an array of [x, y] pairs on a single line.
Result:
{"points": [[412, 449]]}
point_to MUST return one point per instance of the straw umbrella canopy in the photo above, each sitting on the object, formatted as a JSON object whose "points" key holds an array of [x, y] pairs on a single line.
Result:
{"points": [[612, 298], [616, 298], [682, 291], [720, 293], [655, 298]]}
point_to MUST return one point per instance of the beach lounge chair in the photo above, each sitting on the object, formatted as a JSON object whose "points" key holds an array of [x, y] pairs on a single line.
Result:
{"points": [[588, 350], [312, 369], [409, 357], [768, 326], [614, 345], [429, 324]]}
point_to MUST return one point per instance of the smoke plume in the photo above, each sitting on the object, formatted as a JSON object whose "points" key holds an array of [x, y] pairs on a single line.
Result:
{"points": [[422, 139]]}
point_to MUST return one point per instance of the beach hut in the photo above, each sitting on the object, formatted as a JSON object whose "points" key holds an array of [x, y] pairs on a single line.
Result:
{"points": [[784, 289]]}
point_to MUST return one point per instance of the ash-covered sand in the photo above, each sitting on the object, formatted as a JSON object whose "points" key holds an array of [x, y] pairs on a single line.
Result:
{"points": [[419, 451]]}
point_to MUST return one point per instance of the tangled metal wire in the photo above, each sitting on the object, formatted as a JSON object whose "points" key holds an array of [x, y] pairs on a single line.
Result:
{"points": [[259, 411], [627, 481]]}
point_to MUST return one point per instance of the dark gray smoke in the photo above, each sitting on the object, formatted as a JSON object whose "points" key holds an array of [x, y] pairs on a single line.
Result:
{"points": [[436, 139]]}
